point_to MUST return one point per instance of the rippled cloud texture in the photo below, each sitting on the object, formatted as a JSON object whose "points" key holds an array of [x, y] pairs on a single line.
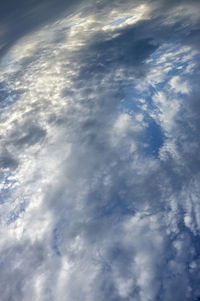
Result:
{"points": [[99, 153]]}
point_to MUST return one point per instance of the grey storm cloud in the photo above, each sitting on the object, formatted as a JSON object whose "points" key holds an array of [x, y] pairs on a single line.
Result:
{"points": [[88, 212]]}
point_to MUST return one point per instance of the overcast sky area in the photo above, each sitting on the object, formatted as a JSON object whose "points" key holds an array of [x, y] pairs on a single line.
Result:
{"points": [[99, 150]]}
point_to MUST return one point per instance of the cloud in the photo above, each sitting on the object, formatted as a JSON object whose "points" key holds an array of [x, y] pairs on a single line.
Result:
{"points": [[100, 157], [7, 161], [178, 86], [23, 18]]}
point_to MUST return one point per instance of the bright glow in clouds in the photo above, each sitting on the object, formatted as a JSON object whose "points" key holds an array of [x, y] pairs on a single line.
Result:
{"points": [[99, 156]]}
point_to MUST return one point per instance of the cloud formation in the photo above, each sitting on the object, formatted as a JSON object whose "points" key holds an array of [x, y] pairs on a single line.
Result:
{"points": [[100, 156]]}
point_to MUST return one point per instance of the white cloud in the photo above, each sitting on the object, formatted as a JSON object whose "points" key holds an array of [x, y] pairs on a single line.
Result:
{"points": [[87, 213], [179, 86]]}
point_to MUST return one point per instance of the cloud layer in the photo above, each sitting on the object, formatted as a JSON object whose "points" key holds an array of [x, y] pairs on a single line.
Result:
{"points": [[100, 156]]}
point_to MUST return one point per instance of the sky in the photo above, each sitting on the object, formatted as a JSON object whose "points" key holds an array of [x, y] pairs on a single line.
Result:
{"points": [[99, 150]]}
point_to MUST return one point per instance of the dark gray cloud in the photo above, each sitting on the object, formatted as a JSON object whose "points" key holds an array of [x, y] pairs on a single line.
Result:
{"points": [[131, 46], [30, 135], [125, 49], [18, 19], [7, 160]]}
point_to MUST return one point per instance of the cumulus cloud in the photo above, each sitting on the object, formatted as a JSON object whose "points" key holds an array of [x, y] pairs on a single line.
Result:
{"points": [[99, 156]]}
